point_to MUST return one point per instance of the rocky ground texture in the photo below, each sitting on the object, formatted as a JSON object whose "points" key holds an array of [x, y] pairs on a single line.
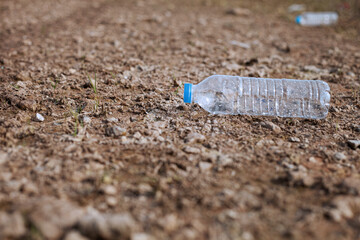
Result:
{"points": [[96, 143]]}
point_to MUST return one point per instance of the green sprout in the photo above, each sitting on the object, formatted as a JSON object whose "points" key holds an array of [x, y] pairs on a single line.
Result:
{"points": [[15, 86], [54, 83], [75, 115], [93, 85]]}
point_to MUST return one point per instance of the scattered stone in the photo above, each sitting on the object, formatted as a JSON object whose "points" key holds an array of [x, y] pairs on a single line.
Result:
{"points": [[170, 222], [72, 71], [265, 142], [23, 76], [109, 190], [282, 46], [231, 66], [315, 160], [142, 236], [106, 226], [115, 131], [111, 201], [160, 138], [137, 135], [39, 118], [86, 119], [351, 185], [74, 235], [247, 236], [195, 138], [240, 44], [345, 207], [193, 150], [340, 156], [144, 189], [294, 139], [30, 188], [11, 225], [301, 178], [271, 126], [312, 68], [21, 84], [356, 128], [51, 216], [205, 166], [112, 120], [354, 144], [238, 12], [296, 8], [3, 157], [225, 160]]}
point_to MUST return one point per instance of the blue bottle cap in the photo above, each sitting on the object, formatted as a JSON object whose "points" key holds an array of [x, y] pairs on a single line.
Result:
{"points": [[298, 19], [187, 92]]}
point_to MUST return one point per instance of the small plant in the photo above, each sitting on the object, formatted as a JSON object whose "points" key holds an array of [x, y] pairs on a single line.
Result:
{"points": [[93, 84], [176, 84], [15, 86], [75, 115], [78, 123], [177, 89], [113, 75], [54, 83]]}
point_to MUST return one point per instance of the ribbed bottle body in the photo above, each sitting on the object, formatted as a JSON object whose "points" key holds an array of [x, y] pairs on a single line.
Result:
{"points": [[221, 94], [317, 18]]}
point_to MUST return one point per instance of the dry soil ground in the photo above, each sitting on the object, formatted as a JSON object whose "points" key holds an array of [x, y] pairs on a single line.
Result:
{"points": [[129, 160]]}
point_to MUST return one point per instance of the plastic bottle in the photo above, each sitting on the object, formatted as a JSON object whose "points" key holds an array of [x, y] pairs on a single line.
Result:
{"points": [[317, 18], [220, 94]]}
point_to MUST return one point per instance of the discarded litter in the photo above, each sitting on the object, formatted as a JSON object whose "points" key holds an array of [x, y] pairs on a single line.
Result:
{"points": [[317, 18], [221, 94], [296, 8]]}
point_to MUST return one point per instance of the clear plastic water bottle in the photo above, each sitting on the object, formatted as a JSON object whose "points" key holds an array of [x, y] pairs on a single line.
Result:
{"points": [[220, 94], [317, 18]]}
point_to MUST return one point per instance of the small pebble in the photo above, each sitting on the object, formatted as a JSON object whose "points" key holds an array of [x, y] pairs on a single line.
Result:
{"points": [[39, 117], [356, 128], [86, 119], [141, 236], [144, 188], [137, 135], [115, 131], [312, 68], [238, 12], [354, 144], [111, 201], [74, 235], [109, 190], [294, 139], [188, 149], [112, 120], [3, 157], [271, 126], [339, 156], [195, 138], [205, 166], [72, 71]]}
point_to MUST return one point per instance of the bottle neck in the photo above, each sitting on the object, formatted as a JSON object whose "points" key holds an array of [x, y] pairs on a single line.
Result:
{"points": [[188, 93]]}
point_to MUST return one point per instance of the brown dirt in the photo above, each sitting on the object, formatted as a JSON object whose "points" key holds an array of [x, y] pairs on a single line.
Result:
{"points": [[142, 163]]}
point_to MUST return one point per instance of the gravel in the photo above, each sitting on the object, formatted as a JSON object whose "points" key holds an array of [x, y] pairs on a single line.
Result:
{"points": [[131, 160]]}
